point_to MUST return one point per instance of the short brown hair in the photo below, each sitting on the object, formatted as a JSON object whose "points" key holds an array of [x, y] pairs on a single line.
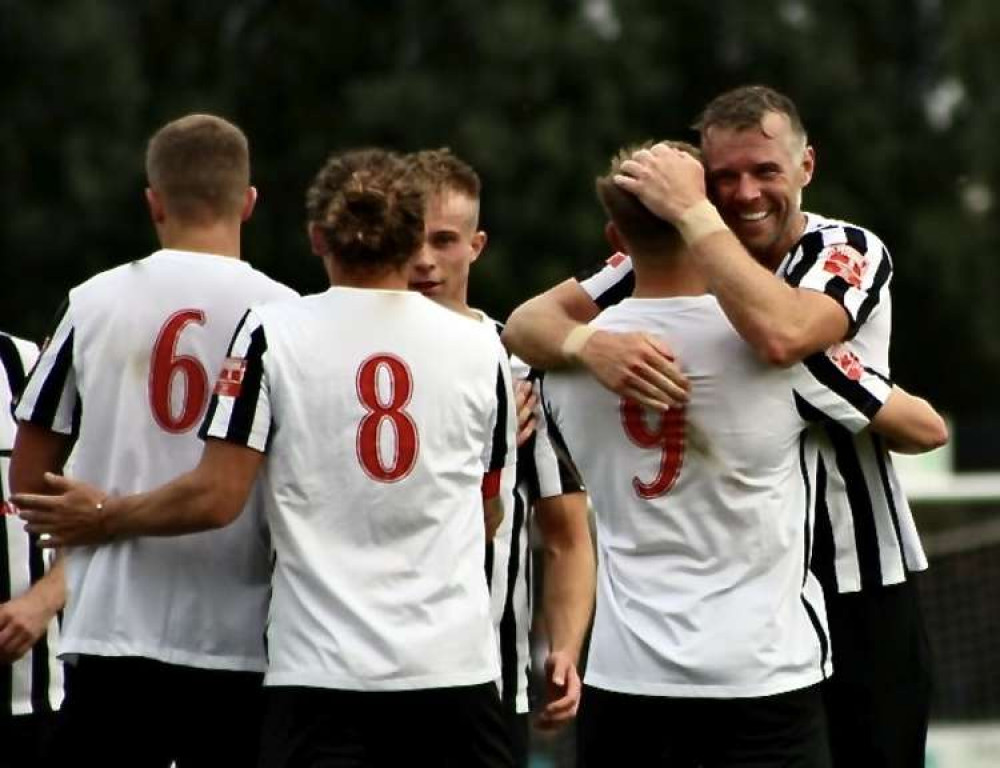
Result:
{"points": [[745, 107], [641, 227], [200, 166], [442, 169], [369, 208]]}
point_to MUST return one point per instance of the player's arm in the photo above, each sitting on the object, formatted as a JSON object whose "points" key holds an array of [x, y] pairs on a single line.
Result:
{"points": [[25, 618], [567, 599], [784, 324], [209, 496], [835, 385], [551, 331], [37, 450], [909, 424]]}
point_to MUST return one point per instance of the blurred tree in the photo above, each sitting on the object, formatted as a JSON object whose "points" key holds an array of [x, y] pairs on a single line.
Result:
{"points": [[536, 94]]}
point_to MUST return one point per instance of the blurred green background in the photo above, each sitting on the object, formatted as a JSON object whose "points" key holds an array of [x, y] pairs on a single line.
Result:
{"points": [[899, 97]]}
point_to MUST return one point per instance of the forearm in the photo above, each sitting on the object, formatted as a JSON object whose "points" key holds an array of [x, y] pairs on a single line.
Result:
{"points": [[189, 504], [536, 330], [909, 424], [49, 592], [782, 323], [568, 583]]}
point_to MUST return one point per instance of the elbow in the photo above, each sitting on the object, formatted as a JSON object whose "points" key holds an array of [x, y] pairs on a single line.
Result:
{"points": [[779, 351], [936, 434]]}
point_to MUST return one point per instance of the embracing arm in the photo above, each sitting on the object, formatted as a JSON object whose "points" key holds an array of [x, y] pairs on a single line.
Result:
{"points": [[784, 324], [209, 496], [549, 331], [909, 424]]}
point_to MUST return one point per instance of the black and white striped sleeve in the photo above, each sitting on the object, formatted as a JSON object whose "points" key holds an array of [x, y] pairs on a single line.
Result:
{"points": [[836, 386], [845, 262], [240, 409], [502, 449], [50, 398], [545, 465], [611, 284]]}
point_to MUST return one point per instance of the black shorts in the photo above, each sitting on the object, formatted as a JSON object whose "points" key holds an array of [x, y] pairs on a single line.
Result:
{"points": [[878, 699], [786, 730], [25, 739], [130, 712], [461, 727]]}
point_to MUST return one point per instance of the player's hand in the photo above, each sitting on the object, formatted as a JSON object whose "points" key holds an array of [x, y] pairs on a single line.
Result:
{"points": [[71, 515], [637, 366], [527, 403], [668, 181], [23, 621], [562, 691]]}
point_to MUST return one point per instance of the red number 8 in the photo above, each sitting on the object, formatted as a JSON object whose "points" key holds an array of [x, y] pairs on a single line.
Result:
{"points": [[668, 437], [407, 441]]}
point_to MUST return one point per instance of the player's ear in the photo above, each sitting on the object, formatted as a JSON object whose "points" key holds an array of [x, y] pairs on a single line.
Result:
{"points": [[478, 244], [156, 210], [614, 238], [317, 242], [808, 165], [249, 202]]}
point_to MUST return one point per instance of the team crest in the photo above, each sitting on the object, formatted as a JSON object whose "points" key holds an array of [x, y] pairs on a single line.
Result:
{"points": [[846, 263], [230, 381], [846, 361]]}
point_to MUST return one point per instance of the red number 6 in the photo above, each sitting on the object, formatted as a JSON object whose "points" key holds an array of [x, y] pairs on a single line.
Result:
{"points": [[407, 441], [668, 436], [165, 365]]}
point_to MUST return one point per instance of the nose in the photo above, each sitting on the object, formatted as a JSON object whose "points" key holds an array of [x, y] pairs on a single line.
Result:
{"points": [[747, 188], [423, 259]]}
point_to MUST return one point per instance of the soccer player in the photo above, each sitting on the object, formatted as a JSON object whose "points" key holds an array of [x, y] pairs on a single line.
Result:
{"points": [[377, 421], [31, 594], [546, 488], [164, 636], [709, 640], [811, 282]]}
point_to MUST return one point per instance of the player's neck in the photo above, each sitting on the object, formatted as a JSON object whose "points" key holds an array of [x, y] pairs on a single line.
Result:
{"points": [[459, 306], [381, 280], [657, 278], [222, 238]]}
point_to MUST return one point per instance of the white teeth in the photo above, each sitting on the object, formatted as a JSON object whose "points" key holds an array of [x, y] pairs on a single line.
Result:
{"points": [[753, 216]]}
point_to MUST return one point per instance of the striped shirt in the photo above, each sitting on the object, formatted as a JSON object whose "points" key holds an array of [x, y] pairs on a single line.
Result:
{"points": [[34, 682], [380, 413], [127, 373], [703, 512], [865, 532], [541, 473]]}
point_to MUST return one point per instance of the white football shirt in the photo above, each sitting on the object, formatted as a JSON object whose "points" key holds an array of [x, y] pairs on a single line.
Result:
{"points": [[703, 513], [129, 371], [379, 412]]}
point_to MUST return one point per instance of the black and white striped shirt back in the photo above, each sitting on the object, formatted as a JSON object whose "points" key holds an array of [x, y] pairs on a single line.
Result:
{"points": [[33, 683]]}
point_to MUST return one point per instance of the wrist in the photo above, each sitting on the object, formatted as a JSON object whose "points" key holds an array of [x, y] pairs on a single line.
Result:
{"points": [[575, 341], [699, 221]]}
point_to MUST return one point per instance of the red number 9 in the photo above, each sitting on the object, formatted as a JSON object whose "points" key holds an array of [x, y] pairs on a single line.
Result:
{"points": [[667, 436]]}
